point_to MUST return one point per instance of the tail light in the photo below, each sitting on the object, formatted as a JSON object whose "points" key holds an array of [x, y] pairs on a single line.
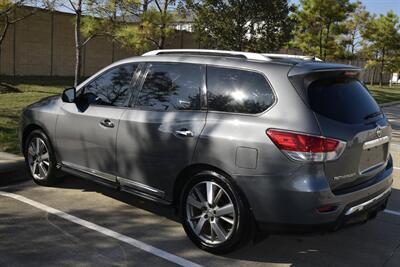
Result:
{"points": [[303, 147]]}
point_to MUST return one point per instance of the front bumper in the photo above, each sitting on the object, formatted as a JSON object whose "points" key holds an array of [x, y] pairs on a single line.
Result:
{"points": [[290, 203]]}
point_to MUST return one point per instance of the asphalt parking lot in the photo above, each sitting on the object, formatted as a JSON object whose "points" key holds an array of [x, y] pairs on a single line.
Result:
{"points": [[80, 223]]}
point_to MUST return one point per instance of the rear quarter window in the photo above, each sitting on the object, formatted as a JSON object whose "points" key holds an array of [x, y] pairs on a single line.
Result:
{"points": [[344, 100], [237, 91]]}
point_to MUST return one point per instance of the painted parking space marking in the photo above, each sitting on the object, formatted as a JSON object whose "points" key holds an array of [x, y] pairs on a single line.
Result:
{"points": [[393, 212], [105, 231]]}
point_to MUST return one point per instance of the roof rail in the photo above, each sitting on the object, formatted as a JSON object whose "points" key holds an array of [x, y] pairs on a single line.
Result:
{"points": [[206, 52], [309, 58]]}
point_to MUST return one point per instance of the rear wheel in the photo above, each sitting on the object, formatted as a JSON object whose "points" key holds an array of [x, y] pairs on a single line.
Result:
{"points": [[40, 159], [214, 215]]}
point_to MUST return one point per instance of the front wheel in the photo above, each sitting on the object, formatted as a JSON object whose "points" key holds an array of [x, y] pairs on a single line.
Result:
{"points": [[40, 159], [214, 214]]}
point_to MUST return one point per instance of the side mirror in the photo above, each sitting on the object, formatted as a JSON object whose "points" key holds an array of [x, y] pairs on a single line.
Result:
{"points": [[69, 95]]}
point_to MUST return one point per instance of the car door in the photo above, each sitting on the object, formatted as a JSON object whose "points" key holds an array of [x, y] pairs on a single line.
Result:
{"points": [[86, 130], [157, 137]]}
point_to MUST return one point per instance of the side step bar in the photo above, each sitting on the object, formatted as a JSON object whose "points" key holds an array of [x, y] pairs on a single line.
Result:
{"points": [[126, 185]]}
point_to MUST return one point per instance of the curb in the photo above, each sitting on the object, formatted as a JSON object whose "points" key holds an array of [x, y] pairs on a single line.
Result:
{"points": [[12, 168]]}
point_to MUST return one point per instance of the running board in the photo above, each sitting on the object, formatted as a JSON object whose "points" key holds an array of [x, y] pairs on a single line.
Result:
{"points": [[141, 187], [88, 176], [142, 190], [128, 186], [144, 195]]}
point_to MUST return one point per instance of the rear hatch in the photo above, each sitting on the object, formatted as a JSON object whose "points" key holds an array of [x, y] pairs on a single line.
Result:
{"points": [[346, 111]]}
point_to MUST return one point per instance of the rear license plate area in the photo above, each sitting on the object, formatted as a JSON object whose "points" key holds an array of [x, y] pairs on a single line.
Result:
{"points": [[373, 157]]}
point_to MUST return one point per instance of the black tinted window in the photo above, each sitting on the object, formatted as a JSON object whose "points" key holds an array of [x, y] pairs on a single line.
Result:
{"points": [[112, 87], [170, 87], [232, 90], [345, 100]]}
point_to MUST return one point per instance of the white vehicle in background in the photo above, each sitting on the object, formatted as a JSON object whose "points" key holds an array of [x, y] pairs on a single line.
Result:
{"points": [[395, 78]]}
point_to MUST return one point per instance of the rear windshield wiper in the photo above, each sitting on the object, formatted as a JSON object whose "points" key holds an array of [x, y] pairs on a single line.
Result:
{"points": [[372, 115]]}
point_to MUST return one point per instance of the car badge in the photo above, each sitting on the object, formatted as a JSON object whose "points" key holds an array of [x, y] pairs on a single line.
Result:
{"points": [[379, 131]]}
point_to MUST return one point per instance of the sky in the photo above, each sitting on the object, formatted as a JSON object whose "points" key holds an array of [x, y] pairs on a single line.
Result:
{"points": [[377, 6]]}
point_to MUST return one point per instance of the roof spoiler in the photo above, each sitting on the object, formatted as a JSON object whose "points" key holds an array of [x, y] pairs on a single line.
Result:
{"points": [[303, 74], [288, 56]]}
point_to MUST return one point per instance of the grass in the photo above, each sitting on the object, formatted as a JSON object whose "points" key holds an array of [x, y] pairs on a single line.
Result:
{"points": [[35, 88], [385, 93], [11, 104]]}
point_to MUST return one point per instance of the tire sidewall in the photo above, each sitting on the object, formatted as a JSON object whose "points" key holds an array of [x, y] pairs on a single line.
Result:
{"points": [[240, 206], [51, 176]]}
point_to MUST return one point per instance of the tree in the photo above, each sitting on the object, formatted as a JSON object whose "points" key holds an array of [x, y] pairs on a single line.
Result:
{"points": [[354, 25], [318, 25], [104, 17], [77, 6], [138, 25], [107, 17], [153, 25], [243, 25], [158, 18], [382, 35]]}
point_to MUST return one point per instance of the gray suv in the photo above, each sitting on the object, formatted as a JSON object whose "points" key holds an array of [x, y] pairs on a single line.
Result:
{"points": [[236, 142]]}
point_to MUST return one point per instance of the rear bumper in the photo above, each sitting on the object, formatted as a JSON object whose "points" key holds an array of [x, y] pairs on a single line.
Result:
{"points": [[290, 203], [360, 216]]}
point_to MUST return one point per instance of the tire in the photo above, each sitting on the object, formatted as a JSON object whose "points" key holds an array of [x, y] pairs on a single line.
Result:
{"points": [[41, 164], [203, 221]]}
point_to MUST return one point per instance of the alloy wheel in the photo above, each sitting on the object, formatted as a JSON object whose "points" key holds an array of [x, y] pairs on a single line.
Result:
{"points": [[210, 212], [38, 158]]}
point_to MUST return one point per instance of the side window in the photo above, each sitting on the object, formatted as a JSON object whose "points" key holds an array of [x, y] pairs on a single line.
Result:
{"points": [[171, 87], [111, 88], [239, 91]]}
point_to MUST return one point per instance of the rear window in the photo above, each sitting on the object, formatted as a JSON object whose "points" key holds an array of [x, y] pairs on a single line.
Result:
{"points": [[344, 100]]}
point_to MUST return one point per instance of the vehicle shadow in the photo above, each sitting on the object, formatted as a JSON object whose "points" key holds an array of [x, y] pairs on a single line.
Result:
{"points": [[369, 244], [72, 182]]}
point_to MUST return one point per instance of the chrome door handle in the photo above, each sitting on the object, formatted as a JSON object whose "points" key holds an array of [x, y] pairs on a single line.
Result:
{"points": [[107, 123], [185, 133]]}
